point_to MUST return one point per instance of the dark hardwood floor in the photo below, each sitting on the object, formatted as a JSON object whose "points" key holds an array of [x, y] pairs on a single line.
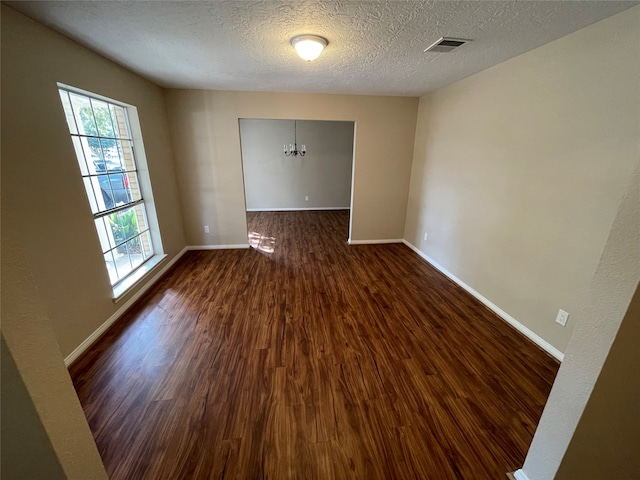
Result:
{"points": [[306, 358]]}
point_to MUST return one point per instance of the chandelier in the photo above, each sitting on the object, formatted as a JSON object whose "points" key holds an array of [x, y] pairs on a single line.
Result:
{"points": [[292, 150]]}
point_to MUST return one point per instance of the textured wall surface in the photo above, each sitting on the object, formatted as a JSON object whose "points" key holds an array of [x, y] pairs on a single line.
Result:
{"points": [[275, 181], [375, 47], [605, 305], [24, 438], [607, 440], [518, 171], [31, 344], [40, 176], [206, 140]]}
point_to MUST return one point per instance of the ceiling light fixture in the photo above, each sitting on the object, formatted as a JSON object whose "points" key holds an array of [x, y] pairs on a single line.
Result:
{"points": [[292, 150], [309, 47]]}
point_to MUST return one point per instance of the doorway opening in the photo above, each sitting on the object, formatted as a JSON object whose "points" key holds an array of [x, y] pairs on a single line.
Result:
{"points": [[296, 166]]}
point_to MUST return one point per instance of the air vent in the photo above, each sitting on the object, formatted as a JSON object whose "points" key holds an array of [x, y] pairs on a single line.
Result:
{"points": [[446, 44]]}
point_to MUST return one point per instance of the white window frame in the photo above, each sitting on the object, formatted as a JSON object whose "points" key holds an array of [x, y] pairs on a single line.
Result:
{"points": [[124, 284]]}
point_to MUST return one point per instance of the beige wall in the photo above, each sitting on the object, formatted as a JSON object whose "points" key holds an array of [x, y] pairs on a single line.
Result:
{"points": [[41, 183], [275, 181], [205, 133], [518, 171], [23, 436], [53, 431], [608, 301], [606, 442]]}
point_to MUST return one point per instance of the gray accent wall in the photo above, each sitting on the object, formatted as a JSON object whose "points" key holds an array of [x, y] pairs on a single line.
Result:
{"points": [[320, 179]]}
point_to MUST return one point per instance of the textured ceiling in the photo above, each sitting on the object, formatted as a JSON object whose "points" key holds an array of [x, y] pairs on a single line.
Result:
{"points": [[375, 47]]}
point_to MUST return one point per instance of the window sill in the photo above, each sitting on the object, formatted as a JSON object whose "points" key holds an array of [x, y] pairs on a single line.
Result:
{"points": [[136, 277]]}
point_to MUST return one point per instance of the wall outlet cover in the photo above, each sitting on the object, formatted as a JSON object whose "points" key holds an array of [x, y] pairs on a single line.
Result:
{"points": [[562, 317]]}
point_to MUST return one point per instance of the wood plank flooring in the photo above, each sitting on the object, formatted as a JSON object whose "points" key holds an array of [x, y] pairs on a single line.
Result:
{"points": [[307, 358]]}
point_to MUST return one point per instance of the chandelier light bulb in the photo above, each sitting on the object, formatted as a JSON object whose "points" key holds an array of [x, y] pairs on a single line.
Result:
{"points": [[309, 47]]}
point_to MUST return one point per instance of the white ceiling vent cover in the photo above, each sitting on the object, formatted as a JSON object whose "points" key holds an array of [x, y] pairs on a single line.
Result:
{"points": [[446, 44]]}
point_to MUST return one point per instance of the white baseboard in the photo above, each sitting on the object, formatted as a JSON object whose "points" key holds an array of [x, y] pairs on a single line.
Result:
{"points": [[546, 346], [375, 242], [519, 475], [118, 313], [294, 209], [231, 246]]}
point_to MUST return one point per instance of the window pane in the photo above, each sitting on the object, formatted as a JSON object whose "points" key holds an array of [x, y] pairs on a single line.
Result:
{"points": [[93, 154], [111, 267], [122, 261], [126, 153], [68, 112], [103, 193], [77, 145], [141, 217], [119, 188], [106, 221], [103, 118], [133, 186], [110, 152], [119, 120], [147, 248], [83, 114], [88, 186], [104, 234], [112, 190], [134, 247], [124, 225]]}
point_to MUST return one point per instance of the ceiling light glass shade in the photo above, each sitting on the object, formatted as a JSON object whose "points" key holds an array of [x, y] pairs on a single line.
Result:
{"points": [[309, 47]]}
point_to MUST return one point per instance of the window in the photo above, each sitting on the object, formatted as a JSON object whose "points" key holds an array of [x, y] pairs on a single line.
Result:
{"points": [[101, 135]]}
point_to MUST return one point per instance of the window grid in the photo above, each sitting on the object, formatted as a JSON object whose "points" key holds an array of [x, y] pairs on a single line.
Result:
{"points": [[119, 214]]}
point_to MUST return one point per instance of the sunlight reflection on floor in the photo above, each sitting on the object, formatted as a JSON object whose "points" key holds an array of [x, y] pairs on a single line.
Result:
{"points": [[150, 331], [262, 243]]}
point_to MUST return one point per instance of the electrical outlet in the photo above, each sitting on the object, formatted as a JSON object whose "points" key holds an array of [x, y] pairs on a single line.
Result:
{"points": [[426, 235], [306, 198], [206, 229], [562, 317]]}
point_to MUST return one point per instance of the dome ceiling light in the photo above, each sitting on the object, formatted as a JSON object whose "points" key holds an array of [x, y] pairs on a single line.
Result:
{"points": [[309, 47]]}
